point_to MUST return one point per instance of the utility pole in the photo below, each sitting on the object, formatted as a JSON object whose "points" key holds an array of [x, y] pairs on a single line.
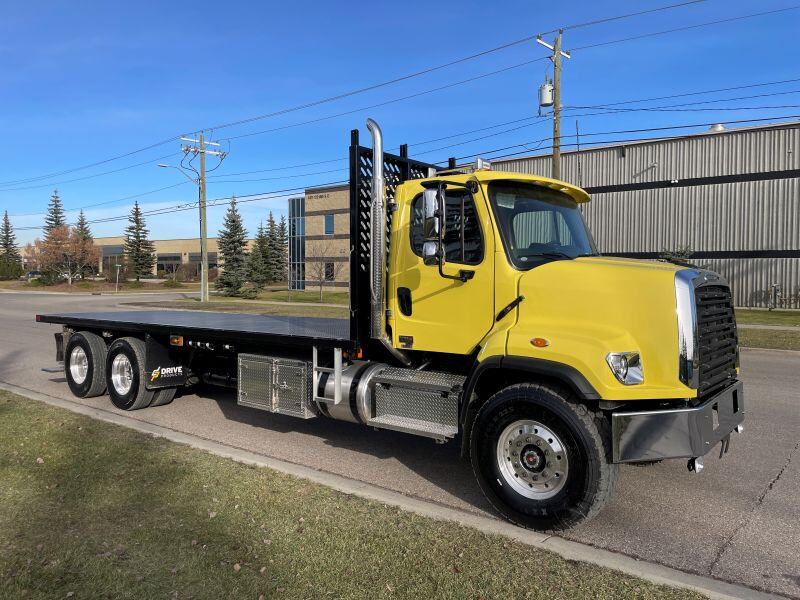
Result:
{"points": [[558, 53], [190, 152], [204, 296]]}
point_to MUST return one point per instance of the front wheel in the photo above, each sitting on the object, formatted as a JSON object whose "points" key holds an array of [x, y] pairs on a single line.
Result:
{"points": [[541, 458]]}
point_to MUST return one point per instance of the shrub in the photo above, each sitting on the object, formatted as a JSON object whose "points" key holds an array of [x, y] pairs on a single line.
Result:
{"points": [[172, 283]]}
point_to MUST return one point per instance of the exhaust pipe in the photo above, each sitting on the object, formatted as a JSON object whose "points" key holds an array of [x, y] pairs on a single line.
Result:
{"points": [[378, 249]]}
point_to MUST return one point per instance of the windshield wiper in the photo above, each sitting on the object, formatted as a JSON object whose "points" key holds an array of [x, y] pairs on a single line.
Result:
{"points": [[556, 254]]}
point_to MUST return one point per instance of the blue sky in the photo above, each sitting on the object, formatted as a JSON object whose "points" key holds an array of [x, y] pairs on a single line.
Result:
{"points": [[82, 82]]}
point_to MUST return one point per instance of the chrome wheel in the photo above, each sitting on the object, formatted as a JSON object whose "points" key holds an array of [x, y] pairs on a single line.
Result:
{"points": [[121, 374], [78, 365], [532, 460]]}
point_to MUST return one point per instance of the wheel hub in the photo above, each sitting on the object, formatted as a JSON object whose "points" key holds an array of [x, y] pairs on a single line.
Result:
{"points": [[121, 374], [532, 459], [78, 365]]}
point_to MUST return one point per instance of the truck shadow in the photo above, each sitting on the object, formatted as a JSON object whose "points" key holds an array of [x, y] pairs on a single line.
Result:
{"points": [[439, 464]]}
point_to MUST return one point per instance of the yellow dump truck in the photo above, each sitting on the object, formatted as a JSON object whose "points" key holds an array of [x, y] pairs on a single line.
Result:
{"points": [[479, 310]]}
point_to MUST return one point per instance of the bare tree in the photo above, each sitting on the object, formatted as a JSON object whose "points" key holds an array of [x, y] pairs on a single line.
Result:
{"points": [[64, 254], [323, 263]]}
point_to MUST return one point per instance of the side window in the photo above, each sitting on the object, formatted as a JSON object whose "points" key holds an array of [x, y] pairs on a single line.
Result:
{"points": [[462, 232]]}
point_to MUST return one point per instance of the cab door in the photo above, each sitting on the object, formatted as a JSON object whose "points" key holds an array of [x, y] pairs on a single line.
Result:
{"points": [[430, 312]]}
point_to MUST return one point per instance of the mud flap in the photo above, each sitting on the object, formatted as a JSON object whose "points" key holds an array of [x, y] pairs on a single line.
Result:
{"points": [[163, 365]]}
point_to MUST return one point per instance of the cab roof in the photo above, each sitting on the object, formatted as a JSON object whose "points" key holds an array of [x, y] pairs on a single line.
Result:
{"points": [[485, 175]]}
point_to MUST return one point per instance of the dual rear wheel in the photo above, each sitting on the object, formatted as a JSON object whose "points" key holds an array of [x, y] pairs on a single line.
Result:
{"points": [[92, 368]]}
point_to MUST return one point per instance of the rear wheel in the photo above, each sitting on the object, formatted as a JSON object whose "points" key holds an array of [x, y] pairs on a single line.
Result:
{"points": [[164, 396], [125, 374], [85, 364], [541, 458]]}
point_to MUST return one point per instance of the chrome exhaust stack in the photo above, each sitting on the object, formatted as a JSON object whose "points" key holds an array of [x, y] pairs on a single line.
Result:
{"points": [[378, 249]]}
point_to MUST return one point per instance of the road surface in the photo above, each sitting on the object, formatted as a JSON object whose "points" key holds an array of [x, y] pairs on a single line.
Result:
{"points": [[738, 521]]}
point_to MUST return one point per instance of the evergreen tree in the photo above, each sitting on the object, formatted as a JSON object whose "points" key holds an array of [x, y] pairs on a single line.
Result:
{"points": [[8, 242], [55, 217], [139, 250], [283, 246], [82, 227], [232, 243], [258, 267], [273, 255]]}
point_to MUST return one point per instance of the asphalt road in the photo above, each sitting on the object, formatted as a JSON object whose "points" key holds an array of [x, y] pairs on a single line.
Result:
{"points": [[738, 521]]}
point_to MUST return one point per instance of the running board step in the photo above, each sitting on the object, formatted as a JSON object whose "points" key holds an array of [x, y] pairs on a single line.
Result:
{"points": [[418, 402], [416, 426]]}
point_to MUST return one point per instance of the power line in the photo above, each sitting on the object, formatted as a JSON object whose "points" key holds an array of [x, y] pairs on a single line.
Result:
{"points": [[52, 183], [261, 196], [406, 77], [620, 17], [685, 28]]}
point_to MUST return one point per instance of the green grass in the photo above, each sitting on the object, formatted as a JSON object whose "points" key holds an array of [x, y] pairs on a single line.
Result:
{"points": [[310, 295], [776, 339], [768, 317], [105, 512], [237, 305]]}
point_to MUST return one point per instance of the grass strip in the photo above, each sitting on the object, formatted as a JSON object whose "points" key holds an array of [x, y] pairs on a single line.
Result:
{"points": [[746, 316], [774, 339], [93, 510]]}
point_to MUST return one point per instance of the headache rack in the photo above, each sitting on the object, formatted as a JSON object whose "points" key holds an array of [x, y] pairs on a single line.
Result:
{"points": [[717, 338], [396, 170]]}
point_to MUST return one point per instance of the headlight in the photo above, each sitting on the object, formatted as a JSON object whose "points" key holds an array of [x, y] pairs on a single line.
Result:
{"points": [[626, 367]]}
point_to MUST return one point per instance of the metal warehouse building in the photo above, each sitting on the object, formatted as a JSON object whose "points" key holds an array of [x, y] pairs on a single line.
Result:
{"points": [[731, 195]]}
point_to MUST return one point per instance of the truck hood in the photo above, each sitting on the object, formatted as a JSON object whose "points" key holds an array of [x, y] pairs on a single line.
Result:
{"points": [[591, 306]]}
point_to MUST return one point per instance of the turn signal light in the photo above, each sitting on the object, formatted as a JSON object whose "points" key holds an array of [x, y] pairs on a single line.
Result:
{"points": [[540, 342], [176, 340]]}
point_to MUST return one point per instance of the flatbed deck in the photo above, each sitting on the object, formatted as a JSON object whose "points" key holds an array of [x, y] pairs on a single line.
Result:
{"points": [[295, 331]]}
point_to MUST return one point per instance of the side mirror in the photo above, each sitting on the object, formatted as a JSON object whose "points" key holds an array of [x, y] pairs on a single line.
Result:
{"points": [[430, 253], [430, 214]]}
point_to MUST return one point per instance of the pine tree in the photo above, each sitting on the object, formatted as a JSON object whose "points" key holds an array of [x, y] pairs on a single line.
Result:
{"points": [[8, 242], [273, 255], [232, 243], [283, 246], [139, 250], [82, 227], [258, 268], [55, 217]]}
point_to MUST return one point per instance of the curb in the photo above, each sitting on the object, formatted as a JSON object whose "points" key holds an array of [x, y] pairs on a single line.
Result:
{"points": [[567, 549]]}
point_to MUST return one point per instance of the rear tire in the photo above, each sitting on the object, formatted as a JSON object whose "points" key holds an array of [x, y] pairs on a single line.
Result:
{"points": [[541, 458], [85, 364], [164, 396], [125, 374]]}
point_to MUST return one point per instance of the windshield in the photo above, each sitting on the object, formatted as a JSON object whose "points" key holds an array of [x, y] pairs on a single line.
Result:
{"points": [[538, 224]]}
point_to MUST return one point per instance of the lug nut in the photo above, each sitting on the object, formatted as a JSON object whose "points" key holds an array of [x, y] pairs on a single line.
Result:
{"points": [[529, 439], [538, 443], [535, 478]]}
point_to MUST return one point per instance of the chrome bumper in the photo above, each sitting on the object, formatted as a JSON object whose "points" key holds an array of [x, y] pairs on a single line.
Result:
{"points": [[677, 433]]}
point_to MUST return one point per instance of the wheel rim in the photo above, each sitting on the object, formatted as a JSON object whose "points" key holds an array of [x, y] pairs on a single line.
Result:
{"points": [[121, 374], [532, 459], [78, 365]]}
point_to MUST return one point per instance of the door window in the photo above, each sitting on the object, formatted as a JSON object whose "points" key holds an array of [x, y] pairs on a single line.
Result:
{"points": [[463, 242]]}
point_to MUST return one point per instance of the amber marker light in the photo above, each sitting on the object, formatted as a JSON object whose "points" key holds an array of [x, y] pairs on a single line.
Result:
{"points": [[540, 342], [176, 340]]}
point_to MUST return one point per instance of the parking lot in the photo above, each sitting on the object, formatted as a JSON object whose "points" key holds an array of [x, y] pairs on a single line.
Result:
{"points": [[737, 521]]}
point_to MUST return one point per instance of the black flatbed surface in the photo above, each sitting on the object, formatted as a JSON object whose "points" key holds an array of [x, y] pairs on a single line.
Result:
{"points": [[231, 326]]}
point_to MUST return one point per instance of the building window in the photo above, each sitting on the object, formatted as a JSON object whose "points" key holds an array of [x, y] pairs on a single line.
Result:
{"points": [[297, 243], [330, 273], [328, 224], [462, 232]]}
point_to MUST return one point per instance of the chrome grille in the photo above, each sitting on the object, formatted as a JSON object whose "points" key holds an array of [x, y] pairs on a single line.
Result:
{"points": [[717, 338]]}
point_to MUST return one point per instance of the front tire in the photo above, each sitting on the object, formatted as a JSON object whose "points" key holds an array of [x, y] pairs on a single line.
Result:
{"points": [[85, 364], [541, 458], [125, 375]]}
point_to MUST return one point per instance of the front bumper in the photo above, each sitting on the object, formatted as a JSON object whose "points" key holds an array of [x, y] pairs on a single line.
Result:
{"points": [[677, 433]]}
